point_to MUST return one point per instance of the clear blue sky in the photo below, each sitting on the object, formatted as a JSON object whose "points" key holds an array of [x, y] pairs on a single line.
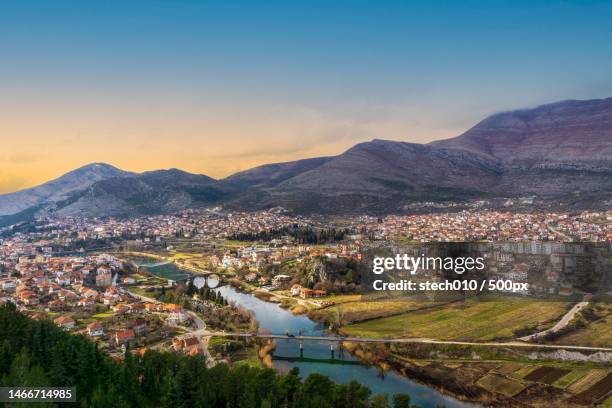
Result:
{"points": [[242, 83]]}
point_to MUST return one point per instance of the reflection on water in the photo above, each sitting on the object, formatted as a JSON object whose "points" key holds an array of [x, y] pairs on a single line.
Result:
{"points": [[277, 320], [163, 269]]}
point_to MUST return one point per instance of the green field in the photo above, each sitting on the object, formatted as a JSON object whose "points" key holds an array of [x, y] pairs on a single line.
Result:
{"points": [[103, 315], [502, 385], [607, 403], [469, 320], [571, 377], [352, 311], [587, 381], [524, 371], [509, 368]]}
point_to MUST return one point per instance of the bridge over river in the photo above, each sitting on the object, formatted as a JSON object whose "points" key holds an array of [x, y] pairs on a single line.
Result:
{"points": [[510, 344]]}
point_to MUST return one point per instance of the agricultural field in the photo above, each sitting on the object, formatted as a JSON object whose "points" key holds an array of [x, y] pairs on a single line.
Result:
{"points": [[586, 382], [571, 377], [357, 311], [230, 243], [524, 371], [337, 299], [516, 383], [546, 375], [571, 385], [503, 385], [469, 320], [103, 315], [508, 368], [598, 391]]}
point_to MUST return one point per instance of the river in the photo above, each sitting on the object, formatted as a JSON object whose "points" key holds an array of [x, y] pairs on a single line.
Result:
{"points": [[161, 268], [279, 321], [276, 320]]}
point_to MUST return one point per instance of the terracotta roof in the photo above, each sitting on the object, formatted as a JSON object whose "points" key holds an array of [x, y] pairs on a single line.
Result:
{"points": [[64, 320], [191, 341], [124, 335]]}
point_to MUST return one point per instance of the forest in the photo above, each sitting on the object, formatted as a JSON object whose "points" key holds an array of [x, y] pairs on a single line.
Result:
{"points": [[37, 353]]}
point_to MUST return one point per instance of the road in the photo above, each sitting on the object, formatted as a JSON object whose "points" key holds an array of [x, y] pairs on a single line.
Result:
{"points": [[141, 297], [561, 323], [403, 340], [199, 323], [562, 235], [201, 332]]}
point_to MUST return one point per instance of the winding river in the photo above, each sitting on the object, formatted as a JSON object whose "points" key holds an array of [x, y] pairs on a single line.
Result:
{"points": [[277, 320]]}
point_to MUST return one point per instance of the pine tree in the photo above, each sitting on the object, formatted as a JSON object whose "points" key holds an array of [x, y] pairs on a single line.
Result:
{"points": [[401, 401]]}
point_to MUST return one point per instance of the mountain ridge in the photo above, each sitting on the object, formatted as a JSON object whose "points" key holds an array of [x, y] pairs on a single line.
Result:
{"points": [[58, 188], [571, 131], [555, 150]]}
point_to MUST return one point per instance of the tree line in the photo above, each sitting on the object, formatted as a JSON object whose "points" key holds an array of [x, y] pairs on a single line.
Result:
{"points": [[301, 234], [37, 353], [182, 294]]}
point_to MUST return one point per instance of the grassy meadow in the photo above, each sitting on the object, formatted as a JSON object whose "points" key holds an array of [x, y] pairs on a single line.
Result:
{"points": [[469, 320]]}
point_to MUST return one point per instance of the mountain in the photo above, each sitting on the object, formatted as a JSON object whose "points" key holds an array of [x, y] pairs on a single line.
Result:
{"points": [[378, 175], [554, 150], [153, 192], [565, 135], [58, 189], [269, 175], [557, 152]]}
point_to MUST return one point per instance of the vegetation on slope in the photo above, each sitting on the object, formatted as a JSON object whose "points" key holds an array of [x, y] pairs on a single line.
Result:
{"points": [[37, 353]]}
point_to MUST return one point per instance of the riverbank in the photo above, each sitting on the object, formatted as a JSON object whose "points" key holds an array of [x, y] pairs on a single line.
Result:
{"points": [[276, 317], [313, 356], [466, 374], [178, 261], [503, 377]]}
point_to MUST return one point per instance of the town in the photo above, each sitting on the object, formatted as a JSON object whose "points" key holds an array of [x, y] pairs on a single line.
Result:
{"points": [[63, 269], [138, 284]]}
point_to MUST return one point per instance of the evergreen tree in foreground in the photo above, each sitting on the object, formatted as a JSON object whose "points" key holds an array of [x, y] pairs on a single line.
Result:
{"points": [[37, 353]]}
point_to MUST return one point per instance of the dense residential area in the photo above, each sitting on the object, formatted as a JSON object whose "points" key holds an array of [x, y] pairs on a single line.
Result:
{"points": [[88, 295], [178, 283]]}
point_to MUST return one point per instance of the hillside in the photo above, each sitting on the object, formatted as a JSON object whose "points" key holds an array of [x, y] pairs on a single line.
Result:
{"points": [[269, 175], [565, 135], [154, 192], [58, 189], [379, 176]]}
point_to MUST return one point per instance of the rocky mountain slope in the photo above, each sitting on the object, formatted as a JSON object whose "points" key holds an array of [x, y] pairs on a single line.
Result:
{"points": [[565, 135], [153, 192], [270, 175], [58, 189], [378, 175]]}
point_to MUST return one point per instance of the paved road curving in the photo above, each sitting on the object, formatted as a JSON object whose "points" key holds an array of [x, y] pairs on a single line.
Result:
{"points": [[561, 323]]}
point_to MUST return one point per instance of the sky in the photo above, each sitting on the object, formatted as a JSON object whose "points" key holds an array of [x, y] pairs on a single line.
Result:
{"points": [[215, 87]]}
